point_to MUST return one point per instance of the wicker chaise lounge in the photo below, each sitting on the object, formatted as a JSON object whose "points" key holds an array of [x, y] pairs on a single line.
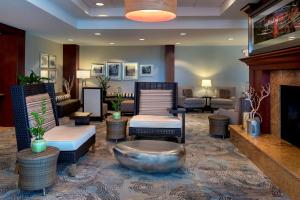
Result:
{"points": [[73, 142], [156, 112]]}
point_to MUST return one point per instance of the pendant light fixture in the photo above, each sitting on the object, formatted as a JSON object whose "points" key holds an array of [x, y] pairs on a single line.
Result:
{"points": [[150, 10]]}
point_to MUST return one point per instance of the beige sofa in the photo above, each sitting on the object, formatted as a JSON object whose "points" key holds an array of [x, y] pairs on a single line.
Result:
{"points": [[223, 97]]}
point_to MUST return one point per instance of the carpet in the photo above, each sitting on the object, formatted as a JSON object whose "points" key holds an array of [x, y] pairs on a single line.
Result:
{"points": [[214, 170]]}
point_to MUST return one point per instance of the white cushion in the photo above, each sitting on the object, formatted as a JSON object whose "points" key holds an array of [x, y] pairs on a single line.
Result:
{"points": [[155, 121], [69, 138]]}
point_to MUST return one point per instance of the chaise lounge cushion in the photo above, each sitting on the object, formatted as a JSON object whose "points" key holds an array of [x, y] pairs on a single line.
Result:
{"points": [[69, 138], [155, 121]]}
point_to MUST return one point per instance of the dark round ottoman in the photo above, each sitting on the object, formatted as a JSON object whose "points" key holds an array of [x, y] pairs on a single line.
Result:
{"points": [[218, 125], [150, 156]]}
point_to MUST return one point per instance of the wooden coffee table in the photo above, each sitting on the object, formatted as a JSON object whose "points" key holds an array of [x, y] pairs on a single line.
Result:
{"points": [[81, 118]]}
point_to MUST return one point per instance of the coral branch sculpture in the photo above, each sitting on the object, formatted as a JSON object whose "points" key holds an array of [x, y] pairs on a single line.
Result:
{"points": [[68, 84], [256, 99]]}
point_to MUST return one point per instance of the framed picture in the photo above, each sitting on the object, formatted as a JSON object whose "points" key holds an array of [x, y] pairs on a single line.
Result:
{"points": [[52, 61], [44, 74], [52, 76], [146, 70], [97, 70], [275, 27], [130, 71], [113, 70], [44, 60]]}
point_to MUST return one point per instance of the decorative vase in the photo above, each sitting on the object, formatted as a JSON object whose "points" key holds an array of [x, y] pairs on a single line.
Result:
{"points": [[38, 146], [253, 127], [116, 115], [246, 116]]}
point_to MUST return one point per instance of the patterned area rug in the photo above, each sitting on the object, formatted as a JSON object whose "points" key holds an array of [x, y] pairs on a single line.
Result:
{"points": [[214, 170]]}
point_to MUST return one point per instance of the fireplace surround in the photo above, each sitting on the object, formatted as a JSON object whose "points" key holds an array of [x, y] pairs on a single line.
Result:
{"points": [[290, 114]]}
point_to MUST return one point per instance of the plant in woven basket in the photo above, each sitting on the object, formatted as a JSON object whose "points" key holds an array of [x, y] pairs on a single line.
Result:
{"points": [[37, 131], [116, 105], [103, 83], [33, 78]]}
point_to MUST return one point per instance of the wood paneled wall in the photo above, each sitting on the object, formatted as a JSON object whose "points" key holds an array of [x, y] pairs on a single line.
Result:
{"points": [[170, 63], [12, 54], [70, 65]]}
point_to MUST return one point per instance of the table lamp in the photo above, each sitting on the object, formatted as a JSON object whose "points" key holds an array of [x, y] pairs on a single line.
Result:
{"points": [[206, 83], [83, 75]]}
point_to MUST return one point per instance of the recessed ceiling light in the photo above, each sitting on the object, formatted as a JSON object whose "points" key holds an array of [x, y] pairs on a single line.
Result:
{"points": [[70, 40], [86, 12], [112, 43], [177, 43], [141, 39], [183, 34], [102, 15], [97, 34], [230, 39], [99, 4]]}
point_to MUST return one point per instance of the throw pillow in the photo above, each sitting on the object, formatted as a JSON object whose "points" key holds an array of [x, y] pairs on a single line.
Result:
{"points": [[188, 93], [224, 93]]}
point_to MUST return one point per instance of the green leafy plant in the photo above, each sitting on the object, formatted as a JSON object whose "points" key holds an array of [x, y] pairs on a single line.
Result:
{"points": [[38, 131], [33, 78], [103, 82], [116, 103]]}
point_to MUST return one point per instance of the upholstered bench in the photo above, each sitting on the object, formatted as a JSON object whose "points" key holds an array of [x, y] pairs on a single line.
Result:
{"points": [[155, 121]]}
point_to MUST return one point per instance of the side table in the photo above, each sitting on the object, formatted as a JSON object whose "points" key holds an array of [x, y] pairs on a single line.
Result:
{"points": [[116, 128], [37, 171], [207, 106], [218, 125], [81, 118]]}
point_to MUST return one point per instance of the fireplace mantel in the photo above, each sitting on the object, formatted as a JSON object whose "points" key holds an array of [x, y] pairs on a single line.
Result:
{"points": [[260, 67]]}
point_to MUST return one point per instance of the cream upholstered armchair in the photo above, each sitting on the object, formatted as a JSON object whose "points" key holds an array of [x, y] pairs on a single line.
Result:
{"points": [[156, 113]]}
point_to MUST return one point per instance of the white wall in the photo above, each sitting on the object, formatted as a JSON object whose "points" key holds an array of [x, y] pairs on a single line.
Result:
{"points": [[141, 54], [33, 47], [219, 63]]}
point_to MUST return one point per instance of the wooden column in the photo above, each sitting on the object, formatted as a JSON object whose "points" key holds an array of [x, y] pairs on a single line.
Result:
{"points": [[12, 54], [70, 65], [170, 63]]}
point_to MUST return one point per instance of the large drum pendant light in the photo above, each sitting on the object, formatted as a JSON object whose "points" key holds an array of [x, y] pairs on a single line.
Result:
{"points": [[150, 10]]}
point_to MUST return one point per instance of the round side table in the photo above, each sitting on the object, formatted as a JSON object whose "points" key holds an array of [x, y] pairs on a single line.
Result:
{"points": [[116, 128], [218, 125], [37, 171]]}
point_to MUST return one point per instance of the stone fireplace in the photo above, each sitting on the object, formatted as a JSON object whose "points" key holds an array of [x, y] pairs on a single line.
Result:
{"points": [[279, 78]]}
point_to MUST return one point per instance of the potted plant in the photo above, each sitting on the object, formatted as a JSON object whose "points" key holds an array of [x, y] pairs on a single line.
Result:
{"points": [[39, 144], [33, 78], [116, 105], [255, 99], [103, 83]]}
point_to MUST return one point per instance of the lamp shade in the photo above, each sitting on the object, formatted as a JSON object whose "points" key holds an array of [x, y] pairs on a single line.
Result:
{"points": [[150, 10], [206, 83], [83, 74]]}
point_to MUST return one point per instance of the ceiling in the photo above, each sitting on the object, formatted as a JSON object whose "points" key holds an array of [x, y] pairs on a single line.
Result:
{"points": [[205, 22]]}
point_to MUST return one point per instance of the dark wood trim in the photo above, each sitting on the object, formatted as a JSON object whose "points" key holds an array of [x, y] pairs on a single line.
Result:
{"points": [[170, 63], [12, 64], [70, 66], [253, 9]]}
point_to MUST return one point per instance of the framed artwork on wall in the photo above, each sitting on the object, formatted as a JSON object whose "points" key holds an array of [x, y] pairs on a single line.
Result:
{"points": [[44, 74], [44, 60], [130, 71], [98, 70], [113, 70], [146, 70], [52, 76], [52, 61], [276, 27]]}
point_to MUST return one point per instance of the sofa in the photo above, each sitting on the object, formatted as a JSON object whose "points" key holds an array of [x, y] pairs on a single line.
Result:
{"points": [[222, 97], [65, 105]]}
